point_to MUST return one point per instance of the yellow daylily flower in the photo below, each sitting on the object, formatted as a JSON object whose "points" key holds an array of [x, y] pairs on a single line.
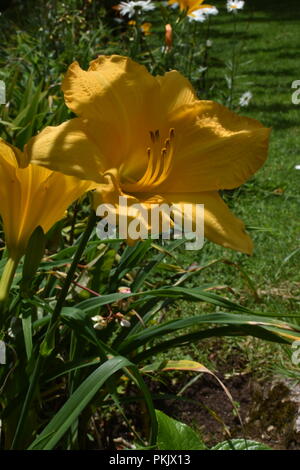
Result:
{"points": [[31, 197], [189, 5], [149, 139]]}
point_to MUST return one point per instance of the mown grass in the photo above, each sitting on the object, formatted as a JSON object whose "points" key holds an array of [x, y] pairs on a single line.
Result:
{"points": [[269, 204]]}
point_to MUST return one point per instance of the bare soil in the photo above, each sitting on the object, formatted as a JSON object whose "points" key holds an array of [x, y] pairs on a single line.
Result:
{"points": [[269, 410]]}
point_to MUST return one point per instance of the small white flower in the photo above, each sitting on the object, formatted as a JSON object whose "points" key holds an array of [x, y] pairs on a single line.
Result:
{"points": [[297, 167], [11, 333], [99, 322], [127, 8], [130, 8], [124, 290], [235, 5], [100, 326], [209, 43], [245, 99], [97, 318], [201, 14], [210, 11], [198, 16], [125, 323], [145, 5]]}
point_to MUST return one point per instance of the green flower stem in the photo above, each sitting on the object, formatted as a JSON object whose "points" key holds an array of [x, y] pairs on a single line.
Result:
{"points": [[138, 35], [49, 337], [64, 291], [6, 281], [233, 62]]}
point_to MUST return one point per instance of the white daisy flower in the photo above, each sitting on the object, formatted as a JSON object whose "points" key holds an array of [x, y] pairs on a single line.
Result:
{"points": [[127, 8], [245, 99], [210, 11], [198, 16], [201, 14], [145, 5], [235, 5], [297, 167], [130, 8]]}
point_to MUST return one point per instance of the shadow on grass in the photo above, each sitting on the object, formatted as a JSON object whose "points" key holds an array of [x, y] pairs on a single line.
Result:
{"points": [[276, 115], [288, 55], [283, 72], [280, 9], [266, 11]]}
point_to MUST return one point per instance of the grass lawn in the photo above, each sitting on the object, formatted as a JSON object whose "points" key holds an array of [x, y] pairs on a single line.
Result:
{"points": [[268, 41], [269, 203]]}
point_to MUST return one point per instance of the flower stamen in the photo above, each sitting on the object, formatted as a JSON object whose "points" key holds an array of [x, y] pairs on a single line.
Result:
{"points": [[160, 156]]}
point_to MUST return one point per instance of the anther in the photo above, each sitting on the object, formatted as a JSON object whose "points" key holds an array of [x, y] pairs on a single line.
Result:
{"points": [[167, 144], [152, 136], [157, 134], [172, 133]]}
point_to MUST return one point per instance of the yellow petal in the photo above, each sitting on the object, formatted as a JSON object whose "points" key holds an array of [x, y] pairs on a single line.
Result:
{"points": [[175, 91], [67, 148], [31, 197], [120, 100], [220, 225], [184, 4], [216, 149], [11, 154], [189, 5]]}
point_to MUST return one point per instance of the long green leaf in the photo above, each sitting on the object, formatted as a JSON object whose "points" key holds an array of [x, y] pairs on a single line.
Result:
{"points": [[195, 294], [192, 338], [282, 329], [64, 418], [147, 270]]}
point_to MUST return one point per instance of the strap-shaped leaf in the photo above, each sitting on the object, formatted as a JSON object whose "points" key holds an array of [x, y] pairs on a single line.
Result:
{"points": [[64, 418]]}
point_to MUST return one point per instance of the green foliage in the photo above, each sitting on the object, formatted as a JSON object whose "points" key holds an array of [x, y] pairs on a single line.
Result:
{"points": [[174, 435], [62, 365], [81, 397], [240, 444], [68, 328]]}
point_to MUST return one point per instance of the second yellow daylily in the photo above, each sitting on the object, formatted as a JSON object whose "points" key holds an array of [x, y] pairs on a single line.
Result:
{"points": [[149, 139], [31, 197]]}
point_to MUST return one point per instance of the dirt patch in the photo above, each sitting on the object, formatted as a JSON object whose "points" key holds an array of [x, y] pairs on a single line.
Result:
{"points": [[269, 410]]}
